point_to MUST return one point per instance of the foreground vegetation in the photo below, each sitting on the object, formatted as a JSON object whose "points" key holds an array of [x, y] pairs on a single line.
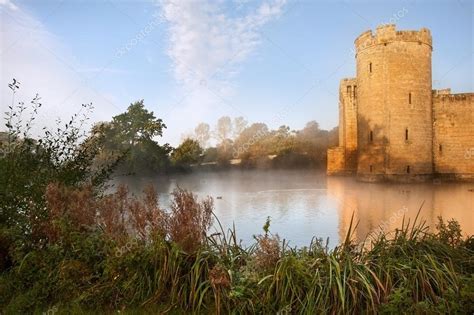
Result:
{"points": [[68, 247], [118, 252]]}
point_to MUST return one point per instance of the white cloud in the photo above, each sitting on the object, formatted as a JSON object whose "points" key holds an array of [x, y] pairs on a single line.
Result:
{"points": [[203, 40], [37, 59], [206, 45], [8, 4]]}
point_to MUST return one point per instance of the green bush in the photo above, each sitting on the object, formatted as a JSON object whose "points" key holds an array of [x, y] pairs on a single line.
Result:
{"points": [[65, 155]]}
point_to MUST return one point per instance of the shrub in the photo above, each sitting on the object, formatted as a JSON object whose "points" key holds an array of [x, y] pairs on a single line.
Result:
{"points": [[267, 249], [189, 220], [65, 155], [449, 233]]}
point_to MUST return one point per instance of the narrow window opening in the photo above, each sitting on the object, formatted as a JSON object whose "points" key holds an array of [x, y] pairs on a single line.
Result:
{"points": [[371, 168], [349, 90], [371, 136], [409, 98], [370, 67], [408, 169], [355, 87], [406, 134], [440, 148]]}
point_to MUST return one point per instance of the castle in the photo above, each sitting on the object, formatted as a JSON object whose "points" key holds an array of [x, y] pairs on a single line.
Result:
{"points": [[392, 125]]}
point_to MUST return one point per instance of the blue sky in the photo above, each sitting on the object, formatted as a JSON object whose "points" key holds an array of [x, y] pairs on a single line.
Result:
{"points": [[194, 61]]}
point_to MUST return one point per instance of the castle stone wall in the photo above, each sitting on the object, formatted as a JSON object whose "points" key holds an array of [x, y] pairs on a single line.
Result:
{"points": [[453, 141], [336, 161], [348, 109], [394, 103], [348, 114], [343, 159]]}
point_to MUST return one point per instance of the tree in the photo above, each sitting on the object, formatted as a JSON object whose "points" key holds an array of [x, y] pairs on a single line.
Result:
{"points": [[313, 142], [310, 132], [333, 137], [250, 142], [282, 141], [188, 152], [223, 128], [239, 125], [210, 155], [137, 124], [202, 134], [224, 152], [134, 132]]}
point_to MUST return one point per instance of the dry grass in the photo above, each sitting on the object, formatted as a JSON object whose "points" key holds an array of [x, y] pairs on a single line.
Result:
{"points": [[267, 252], [189, 220], [76, 205], [121, 215], [220, 283], [111, 213]]}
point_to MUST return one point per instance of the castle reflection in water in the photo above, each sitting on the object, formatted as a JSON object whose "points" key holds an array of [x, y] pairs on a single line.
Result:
{"points": [[377, 205]]}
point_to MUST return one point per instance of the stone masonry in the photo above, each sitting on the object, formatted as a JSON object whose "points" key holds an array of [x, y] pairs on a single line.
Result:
{"points": [[392, 125]]}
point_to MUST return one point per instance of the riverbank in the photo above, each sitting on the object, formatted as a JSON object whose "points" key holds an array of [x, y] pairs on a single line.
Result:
{"points": [[166, 260]]}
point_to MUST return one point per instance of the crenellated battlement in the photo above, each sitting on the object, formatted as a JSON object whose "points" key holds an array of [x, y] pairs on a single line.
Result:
{"points": [[385, 34], [446, 91], [347, 81], [448, 97]]}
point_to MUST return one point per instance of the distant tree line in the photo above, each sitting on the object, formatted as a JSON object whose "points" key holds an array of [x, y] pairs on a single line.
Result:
{"points": [[256, 145], [132, 139], [232, 142]]}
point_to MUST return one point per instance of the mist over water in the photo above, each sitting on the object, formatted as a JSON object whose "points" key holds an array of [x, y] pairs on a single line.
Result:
{"points": [[304, 204]]}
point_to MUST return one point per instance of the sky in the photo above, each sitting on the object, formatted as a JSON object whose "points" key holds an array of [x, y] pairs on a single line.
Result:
{"points": [[272, 61]]}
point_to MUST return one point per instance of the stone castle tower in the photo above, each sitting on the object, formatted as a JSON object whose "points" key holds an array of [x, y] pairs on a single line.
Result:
{"points": [[392, 125]]}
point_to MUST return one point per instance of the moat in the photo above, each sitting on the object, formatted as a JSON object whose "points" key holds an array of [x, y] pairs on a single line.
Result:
{"points": [[307, 203]]}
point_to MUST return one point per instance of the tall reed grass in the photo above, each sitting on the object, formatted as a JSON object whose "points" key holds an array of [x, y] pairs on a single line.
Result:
{"points": [[121, 252]]}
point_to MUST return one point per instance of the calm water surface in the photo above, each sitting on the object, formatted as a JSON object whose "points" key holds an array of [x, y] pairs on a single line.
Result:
{"points": [[306, 203]]}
